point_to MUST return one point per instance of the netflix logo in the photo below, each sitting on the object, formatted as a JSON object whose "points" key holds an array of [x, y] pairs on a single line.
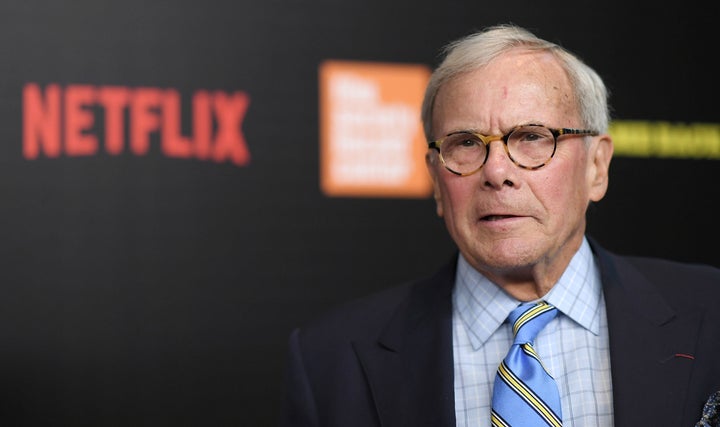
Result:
{"points": [[63, 121]]}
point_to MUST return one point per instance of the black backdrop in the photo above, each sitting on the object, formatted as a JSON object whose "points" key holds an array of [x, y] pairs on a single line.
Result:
{"points": [[147, 290]]}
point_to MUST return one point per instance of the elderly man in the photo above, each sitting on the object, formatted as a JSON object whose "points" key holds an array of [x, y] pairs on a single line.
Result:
{"points": [[532, 323]]}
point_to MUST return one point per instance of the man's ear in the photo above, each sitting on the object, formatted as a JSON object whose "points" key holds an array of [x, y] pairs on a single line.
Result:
{"points": [[431, 161], [601, 152]]}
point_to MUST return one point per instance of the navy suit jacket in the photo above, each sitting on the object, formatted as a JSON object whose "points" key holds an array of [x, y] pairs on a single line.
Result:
{"points": [[386, 360]]}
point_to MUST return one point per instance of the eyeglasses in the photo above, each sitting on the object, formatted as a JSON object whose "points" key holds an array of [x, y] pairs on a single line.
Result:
{"points": [[528, 146]]}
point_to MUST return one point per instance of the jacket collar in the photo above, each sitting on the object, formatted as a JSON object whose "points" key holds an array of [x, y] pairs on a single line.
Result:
{"points": [[651, 345], [410, 368]]}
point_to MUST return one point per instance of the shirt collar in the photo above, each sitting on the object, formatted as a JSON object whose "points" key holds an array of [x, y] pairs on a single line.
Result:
{"points": [[483, 306]]}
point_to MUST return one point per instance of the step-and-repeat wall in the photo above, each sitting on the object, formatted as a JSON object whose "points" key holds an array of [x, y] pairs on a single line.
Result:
{"points": [[183, 182]]}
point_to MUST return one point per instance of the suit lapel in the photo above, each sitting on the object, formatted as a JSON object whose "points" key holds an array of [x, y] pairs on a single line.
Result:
{"points": [[651, 347], [410, 368]]}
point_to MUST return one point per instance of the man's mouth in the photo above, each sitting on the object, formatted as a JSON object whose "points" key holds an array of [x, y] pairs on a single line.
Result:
{"points": [[496, 217]]}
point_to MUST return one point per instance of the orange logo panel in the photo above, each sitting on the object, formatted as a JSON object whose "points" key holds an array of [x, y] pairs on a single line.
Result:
{"points": [[371, 138]]}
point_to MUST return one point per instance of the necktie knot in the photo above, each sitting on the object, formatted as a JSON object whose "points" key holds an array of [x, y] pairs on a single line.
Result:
{"points": [[529, 319]]}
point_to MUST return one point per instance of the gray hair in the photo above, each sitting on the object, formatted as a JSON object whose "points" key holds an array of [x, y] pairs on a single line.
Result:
{"points": [[478, 49]]}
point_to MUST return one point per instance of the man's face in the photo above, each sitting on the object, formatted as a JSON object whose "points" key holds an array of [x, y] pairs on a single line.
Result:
{"points": [[511, 223]]}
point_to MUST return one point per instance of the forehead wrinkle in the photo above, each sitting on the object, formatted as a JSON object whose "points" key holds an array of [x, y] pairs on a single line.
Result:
{"points": [[519, 88]]}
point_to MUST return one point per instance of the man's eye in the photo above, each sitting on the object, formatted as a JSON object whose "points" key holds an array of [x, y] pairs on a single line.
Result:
{"points": [[532, 136]]}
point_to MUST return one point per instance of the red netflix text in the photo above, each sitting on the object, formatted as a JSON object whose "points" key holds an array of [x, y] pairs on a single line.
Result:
{"points": [[62, 121]]}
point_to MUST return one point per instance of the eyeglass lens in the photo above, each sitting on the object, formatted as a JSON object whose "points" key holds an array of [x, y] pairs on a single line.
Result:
{"points": [[528, 146]]}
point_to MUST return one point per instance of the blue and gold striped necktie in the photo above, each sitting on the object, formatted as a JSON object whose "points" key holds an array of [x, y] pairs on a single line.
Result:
{"points": [[524, 393]]}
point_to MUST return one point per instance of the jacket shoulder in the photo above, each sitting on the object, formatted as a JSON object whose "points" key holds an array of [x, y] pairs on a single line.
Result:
{"points": [[366, 317], [682, 276]]}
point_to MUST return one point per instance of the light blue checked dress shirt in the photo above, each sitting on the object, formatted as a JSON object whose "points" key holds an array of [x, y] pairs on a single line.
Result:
{"points": [[573, 346]]}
